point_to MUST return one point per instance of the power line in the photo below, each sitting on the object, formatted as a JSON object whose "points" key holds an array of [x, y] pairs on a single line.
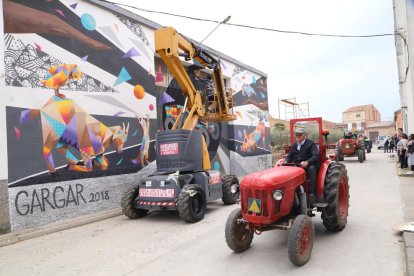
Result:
{"points": [[254, 27]]}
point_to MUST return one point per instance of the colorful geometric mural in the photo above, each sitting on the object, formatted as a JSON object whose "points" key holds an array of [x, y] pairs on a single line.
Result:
{"points": [[65, 124]]}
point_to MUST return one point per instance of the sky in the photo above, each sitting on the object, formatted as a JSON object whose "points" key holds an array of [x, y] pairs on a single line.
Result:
{"points": [[330, 74]]}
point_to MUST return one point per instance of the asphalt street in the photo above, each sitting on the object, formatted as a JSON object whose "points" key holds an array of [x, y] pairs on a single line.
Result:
{"points": [[162, 244]]}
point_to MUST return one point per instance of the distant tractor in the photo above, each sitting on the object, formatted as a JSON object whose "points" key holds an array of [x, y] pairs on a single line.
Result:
{"points": [[351, 146], [278, 198]]}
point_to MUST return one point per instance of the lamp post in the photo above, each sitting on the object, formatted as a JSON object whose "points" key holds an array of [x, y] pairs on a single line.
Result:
{"points": [[222, 22]]}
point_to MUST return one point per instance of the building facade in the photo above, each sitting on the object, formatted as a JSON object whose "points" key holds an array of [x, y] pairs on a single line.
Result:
{"points": [[404, 28], [380, 129], [72, 155], [357, 118]]}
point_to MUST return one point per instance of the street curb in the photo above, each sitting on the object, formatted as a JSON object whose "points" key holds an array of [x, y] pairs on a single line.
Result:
{"points": [[409, 252], [34, 232]]}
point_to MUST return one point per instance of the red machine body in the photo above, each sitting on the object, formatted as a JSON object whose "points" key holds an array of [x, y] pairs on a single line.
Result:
{"points": [[348, 146], [279, 198], [261, 185]]}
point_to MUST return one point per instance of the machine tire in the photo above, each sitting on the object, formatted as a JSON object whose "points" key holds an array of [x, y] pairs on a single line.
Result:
{"points": [[191, 203], [360, 156], [369, 147], [238, 235], [334, 216], [338, 152], [364, 155], [229, 181], [128, 204], [300, 240]]}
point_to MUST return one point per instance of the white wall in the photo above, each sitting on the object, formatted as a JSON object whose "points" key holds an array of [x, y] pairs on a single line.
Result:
{"points": [[3, 137], [404, 24]]}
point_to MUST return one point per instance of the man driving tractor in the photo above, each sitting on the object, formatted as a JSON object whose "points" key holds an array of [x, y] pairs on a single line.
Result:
{"points": [[306, 154]]}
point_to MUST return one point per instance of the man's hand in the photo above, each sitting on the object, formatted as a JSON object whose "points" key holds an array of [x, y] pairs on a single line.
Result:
{"points": [[304, 164]]}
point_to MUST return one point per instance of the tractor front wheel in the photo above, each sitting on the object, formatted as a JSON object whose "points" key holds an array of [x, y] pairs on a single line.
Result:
{"points": [[335, 215], [191, 204], [231, 189], [238, 234], [360, 156], [128, 204], [300, 240]]}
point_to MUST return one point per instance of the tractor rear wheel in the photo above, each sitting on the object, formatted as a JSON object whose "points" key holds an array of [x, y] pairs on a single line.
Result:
{"points": [[300, 240], [191, 203], [335, 215], [128, 204], [238, 234], [231, 189], [360, 156]]}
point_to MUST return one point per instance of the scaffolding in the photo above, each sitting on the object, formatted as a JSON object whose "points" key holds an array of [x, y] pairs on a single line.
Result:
{"points": [[292, 109]]}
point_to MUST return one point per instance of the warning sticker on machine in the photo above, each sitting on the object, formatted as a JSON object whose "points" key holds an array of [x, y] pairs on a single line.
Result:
{"points": [[156, 192], [169, 149]]}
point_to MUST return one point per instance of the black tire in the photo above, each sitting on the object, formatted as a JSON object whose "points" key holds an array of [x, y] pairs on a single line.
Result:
{"points": [[364, 155], [335, 215], [238, 235], [230, 181], [338, 153], [360, 156], [300, 240], [128, 204], [191, 203]]}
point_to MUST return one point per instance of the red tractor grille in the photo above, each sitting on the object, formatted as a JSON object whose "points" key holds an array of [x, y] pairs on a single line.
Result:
{"points": [[263, 196]]}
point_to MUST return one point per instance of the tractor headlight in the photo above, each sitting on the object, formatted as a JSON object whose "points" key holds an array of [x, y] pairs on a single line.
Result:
{"points": [[278, 195]]}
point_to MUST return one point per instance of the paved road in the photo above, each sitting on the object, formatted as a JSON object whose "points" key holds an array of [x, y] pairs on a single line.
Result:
{"points": [[161, 244]]}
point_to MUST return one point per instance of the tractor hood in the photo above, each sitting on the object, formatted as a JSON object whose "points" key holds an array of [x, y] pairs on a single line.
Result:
{"points": [[277, 177]]}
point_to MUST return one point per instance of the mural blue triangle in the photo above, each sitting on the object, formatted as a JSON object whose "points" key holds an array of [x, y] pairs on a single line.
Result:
{"points": [[73, 6], [122, 77]]}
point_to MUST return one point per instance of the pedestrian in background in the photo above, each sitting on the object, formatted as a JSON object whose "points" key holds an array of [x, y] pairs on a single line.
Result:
{"points": [[387, 142], [402, 152], [400, 132], [391, 145], [410, 151]]}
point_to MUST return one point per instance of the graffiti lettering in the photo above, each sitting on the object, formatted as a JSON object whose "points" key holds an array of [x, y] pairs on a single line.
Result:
{"points": [[99, 196], [44, 199]]}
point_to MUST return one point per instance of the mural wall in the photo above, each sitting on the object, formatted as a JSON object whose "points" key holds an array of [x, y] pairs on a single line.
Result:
{"points": [[249, 135], [84, 102]]}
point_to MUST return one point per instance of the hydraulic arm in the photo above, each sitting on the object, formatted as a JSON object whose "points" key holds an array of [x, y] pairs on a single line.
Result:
{"points": [[170, 45]]}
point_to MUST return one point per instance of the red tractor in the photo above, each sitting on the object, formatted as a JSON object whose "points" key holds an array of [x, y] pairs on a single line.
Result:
{"points": [[277, 198], [350, 146]]}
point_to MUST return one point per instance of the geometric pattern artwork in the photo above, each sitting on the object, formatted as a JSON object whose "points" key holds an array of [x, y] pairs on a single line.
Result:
{"points": [[25, 66], [131, 53], [135, 28], [237, 70], [122, 77], [65, 124], [107, 30], [59, 75]]}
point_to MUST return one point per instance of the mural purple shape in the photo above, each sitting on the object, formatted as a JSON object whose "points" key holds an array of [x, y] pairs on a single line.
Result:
{"points": [[118, 113], [96, 144], [25, 116], [70, 135], [131, 53], [165, 98]]}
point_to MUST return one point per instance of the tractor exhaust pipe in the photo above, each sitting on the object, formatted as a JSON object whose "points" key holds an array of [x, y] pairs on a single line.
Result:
{"points": [[303, 203]]}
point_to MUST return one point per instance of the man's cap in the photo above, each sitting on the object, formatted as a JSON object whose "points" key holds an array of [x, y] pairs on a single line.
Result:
{"points": [[300, 130]]}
